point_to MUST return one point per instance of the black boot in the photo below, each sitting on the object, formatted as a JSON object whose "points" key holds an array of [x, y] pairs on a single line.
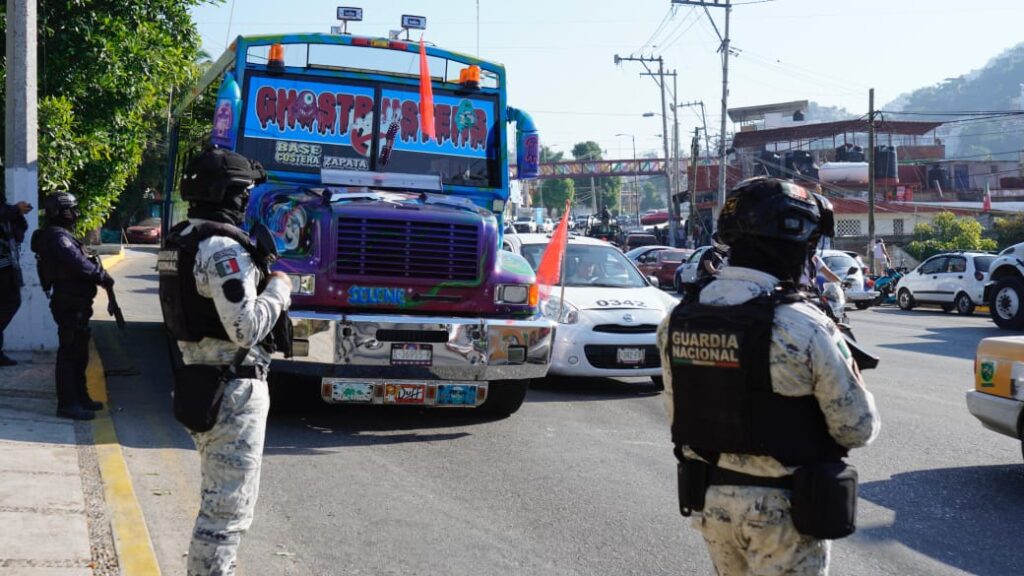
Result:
{"points": [[75, 413], [6, 360]]}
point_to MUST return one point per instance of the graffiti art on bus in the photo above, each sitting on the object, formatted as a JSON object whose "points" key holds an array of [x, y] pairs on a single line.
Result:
{"points": [[311, 112], [461, 125]]}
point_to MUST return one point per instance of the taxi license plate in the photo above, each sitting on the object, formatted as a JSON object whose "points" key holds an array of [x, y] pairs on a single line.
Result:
{"points": [[351, 392], [630, 355], [411, 355]]}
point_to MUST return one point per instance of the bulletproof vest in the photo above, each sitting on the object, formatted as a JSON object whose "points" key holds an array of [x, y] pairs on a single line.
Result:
{"points": [[65, 282], [187, 315], [722, 389]]}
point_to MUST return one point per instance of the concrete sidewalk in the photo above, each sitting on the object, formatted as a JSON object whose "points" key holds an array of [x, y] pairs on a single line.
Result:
{"points": [[67, 507]]}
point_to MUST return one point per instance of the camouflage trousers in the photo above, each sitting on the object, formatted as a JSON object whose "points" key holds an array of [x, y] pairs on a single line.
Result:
{"points": [[749, 532], [230, 456]]}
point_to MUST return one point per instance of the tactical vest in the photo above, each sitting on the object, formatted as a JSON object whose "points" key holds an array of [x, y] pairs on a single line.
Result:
{"points": [[722, 389], [187, 315], [66, 283]]}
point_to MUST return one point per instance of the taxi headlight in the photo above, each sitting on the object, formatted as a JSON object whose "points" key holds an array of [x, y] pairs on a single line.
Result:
{"points": [[512, 293], [303, 284], [561, 312]]}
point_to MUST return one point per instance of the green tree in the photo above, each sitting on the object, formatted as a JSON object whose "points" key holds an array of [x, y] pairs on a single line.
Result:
{"points": [[651, 197], [553, 191], [945, 233], [1009, 230], [106, 70], [608, 187]]}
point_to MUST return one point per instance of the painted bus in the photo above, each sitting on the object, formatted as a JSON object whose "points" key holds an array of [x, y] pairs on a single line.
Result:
{"points": [[391, 237]]}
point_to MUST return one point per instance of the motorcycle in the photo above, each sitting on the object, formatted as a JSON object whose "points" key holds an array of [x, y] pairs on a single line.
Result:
{"points": [[886, 285]]}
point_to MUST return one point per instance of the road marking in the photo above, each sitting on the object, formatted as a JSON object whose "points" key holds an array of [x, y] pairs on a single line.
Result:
{"points": [[131, 537], [111, 260]]}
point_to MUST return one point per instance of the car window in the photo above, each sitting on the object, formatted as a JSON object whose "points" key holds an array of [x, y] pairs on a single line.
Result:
{"points": [[672, 256], [936, 265], [840, 263], [695, 257], [590, 265], [957, 264], [981, 263]]}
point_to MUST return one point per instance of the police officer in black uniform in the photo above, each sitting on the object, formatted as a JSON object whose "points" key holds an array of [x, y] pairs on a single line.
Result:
{"points": [[764, 395], [73, 277], [12, 233]]}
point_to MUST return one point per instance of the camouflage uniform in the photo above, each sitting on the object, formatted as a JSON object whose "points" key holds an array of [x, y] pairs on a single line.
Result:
{"points": [[231, 452], [748, 529]]}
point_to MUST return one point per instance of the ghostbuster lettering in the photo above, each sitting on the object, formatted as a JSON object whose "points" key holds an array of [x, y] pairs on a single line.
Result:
{"points": [[706, 348]]}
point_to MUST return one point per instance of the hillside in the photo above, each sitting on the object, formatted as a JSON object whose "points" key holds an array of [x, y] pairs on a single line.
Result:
{"points": [[995, 86]]}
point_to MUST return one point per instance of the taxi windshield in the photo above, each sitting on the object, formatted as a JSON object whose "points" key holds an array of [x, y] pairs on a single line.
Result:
{"points": [[591, 265]]}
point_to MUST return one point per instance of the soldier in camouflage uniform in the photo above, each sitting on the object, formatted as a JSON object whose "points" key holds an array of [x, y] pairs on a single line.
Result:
{"points": [[216, 184], [748, 528]]}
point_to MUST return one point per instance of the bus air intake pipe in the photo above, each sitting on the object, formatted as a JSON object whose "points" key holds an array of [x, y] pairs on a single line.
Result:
{"points": [[527, 144]]}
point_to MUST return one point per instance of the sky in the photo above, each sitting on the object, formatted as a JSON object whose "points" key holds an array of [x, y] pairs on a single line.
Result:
{"points": [[559, 54]]}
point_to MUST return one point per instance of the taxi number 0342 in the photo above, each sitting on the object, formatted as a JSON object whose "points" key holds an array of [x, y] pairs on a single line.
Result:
{"points": [[637, 303]]}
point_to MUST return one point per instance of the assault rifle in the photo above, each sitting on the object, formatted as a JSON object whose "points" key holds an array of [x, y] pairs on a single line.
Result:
{"points": [[112, 308]]}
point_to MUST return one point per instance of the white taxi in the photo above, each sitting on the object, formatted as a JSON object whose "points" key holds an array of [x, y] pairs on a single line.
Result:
{"points": [[609, 315]]}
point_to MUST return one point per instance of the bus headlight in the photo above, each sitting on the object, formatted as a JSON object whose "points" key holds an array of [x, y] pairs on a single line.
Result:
{"points": [[512, 294]]}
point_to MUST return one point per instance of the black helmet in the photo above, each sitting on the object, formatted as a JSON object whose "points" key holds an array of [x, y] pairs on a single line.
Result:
{"points": [[769, 208], [61, 207], [215, 170], [827, 223]]}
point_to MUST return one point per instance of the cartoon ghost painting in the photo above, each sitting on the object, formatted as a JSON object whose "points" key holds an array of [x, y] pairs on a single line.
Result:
{"points": [[304, 110]]}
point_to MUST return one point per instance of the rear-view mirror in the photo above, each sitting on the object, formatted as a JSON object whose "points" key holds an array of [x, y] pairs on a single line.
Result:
{"points": [[654, 281]]}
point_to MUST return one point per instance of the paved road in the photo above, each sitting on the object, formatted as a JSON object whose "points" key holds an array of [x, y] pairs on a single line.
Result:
{"points": [[579, 481]]}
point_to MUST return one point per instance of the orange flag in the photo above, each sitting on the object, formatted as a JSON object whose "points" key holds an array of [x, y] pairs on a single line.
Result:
{"points": [[550, 269], [426, 96]]}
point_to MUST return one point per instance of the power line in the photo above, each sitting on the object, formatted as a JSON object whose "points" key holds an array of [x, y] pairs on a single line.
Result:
{"points": [[669, 14]]}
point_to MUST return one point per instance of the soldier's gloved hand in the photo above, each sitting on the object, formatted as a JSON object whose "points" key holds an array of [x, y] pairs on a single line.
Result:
{"points": [[107, 281]]}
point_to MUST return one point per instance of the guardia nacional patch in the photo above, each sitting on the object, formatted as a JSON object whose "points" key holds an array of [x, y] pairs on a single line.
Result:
{"points": [[227, 267], [720, 349]]}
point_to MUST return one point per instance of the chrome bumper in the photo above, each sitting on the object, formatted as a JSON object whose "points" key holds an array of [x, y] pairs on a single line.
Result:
{"points": [[461, 349], [995, 413]]}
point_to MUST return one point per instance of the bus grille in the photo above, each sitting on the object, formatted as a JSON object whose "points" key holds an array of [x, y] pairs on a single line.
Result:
{"points": [[407, 249]]}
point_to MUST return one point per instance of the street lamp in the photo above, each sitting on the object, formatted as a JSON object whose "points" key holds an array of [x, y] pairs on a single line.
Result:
{"points": [[636, 186]]}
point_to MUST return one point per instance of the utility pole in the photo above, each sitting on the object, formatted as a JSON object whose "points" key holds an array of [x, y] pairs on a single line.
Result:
{"points": [[672, 219], [673, 211], [691, 222], [871, 178], [32, 328], [724, 49]]}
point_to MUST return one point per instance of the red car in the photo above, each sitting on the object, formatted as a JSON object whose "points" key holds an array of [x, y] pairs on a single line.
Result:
{"points": [[662, 264], [145, 232]]}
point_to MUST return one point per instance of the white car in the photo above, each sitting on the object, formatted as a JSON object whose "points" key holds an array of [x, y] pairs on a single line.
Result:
{"points": [[954, 280], [851, 271], [608, 319], [548, 226], [525, 224], [687, 271]]}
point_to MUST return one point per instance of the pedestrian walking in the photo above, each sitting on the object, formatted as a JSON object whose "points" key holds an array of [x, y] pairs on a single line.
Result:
{"points": [[12, 233], [70, 277], [763, 395], [221, 303], [881, 257]]}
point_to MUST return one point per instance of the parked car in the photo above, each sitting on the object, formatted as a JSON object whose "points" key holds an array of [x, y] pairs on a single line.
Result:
{"points": [[608, 319], [954, 280], [851, 271], [636, 239], [686, 272], [636, 253], [549, 225], [145, 232], [526, 224], [663, 264], [996, 400]]}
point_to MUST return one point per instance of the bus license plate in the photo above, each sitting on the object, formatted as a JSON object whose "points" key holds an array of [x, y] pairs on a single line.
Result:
{"points": [[411, 355], [631, 355]]}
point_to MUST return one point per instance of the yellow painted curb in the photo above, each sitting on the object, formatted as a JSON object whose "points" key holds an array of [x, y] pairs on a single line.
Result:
{"points": [[111, 260], [131, 537]]}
